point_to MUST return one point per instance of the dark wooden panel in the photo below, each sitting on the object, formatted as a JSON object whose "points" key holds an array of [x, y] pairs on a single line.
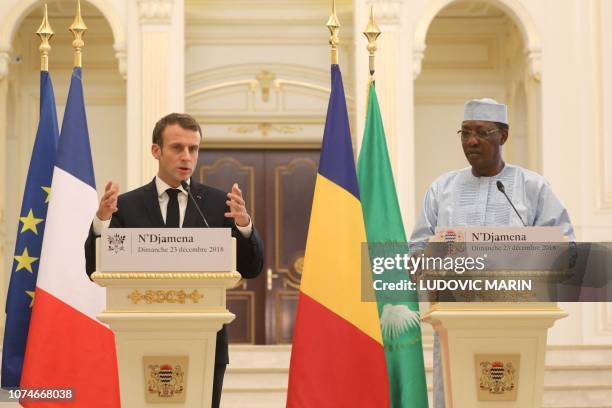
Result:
{"points": [[290, 178], [242, 304], [278, 187], [221, 169], [285, 308]]}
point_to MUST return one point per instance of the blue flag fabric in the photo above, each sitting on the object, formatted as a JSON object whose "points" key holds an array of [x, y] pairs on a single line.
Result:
{"points": [[336, 162], [30, 231], [75, 136]]}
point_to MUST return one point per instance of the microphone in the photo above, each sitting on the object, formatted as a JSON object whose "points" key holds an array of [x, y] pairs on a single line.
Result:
{"points": [[188, 189], [500, 187]]}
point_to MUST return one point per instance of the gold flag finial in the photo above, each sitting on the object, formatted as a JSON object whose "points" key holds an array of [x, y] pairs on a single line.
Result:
{"points": [[45, 32], [372, 31], [334, 27], [77, 28]]}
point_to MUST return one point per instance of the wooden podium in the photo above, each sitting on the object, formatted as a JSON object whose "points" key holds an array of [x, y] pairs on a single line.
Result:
{"points": [[165, 326], [493, 353]]}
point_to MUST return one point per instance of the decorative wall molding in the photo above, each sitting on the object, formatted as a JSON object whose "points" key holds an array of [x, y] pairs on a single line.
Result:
{"points": [[513, 8], [121, 55], [534, 63], [257, 90], [387, 11], [418, 54], [606, 312], [245, 39], [155, 11], [268, 13], [241, 71], [488, 60], [5, 59], [265, 128], [602, 88]]}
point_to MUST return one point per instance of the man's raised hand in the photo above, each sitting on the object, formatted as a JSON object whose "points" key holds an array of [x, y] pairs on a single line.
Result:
{"points": [[108, 202], [237, 207]]}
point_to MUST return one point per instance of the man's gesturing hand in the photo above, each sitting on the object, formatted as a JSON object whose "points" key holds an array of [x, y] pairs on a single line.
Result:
{"points": [[108, 202], [237, 209]]}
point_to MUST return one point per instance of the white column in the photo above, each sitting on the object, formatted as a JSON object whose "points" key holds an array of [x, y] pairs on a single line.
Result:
{"points": [[4, 67], [155, 78]]}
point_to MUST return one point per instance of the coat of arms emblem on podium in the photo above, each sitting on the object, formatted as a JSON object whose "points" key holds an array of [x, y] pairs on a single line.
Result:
{"points": [[165, 378]]}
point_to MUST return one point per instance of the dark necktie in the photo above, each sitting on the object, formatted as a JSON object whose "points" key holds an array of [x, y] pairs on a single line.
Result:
{"points": [[172, 212]]}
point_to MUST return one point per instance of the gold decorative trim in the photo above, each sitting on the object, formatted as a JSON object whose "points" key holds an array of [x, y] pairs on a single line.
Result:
{"points": [[164, 296], [264, 78], [164, 275], [265, 128]]}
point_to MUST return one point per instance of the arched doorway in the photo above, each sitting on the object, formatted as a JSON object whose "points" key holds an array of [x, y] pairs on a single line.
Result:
{"points": [[474, 49]]}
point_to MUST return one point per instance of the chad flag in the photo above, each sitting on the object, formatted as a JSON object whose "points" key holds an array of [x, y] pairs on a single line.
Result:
{"points": [[337, 359]]}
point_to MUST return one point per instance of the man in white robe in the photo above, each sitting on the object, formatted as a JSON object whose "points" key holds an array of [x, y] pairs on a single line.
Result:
{"points": [[470, 196]]}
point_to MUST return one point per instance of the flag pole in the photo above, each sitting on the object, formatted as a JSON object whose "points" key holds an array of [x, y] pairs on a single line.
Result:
{"points": [[77, 28], [333, 24], [372, 31], [45, 32]]}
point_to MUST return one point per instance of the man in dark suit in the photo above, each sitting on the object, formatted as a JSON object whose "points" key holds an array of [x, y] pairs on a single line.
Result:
{"points": [[165, 203]]}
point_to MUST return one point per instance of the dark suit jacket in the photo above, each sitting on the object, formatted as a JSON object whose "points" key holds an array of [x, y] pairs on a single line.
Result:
{"points": [[140, 209]]}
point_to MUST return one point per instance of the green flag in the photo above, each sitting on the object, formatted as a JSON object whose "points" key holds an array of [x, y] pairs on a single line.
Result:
{"points": [[385, 233]]}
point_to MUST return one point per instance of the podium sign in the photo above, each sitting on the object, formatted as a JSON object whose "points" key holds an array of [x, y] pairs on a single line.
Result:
{"points": [[166, 250], [499, 234], [507, 248]]}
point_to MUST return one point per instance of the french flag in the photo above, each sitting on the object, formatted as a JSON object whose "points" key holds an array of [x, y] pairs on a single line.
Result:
{"points": [[67, 346]]}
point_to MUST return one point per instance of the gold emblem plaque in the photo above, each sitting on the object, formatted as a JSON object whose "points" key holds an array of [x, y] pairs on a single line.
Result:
{"points": [[165, 378], [497, 376]]}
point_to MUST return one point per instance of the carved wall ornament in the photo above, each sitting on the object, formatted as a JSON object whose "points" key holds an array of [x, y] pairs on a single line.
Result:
{"points": [[387, 11], [5, 59], [155, 11], [265, 78], [265, 128], [121, 55]]}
